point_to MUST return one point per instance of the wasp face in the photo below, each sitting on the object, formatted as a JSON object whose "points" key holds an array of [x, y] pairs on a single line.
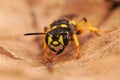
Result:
{"points": [[55, 39]]}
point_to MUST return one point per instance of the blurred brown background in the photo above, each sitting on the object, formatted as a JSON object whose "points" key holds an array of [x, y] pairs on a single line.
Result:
{"points": [[20, 56]]}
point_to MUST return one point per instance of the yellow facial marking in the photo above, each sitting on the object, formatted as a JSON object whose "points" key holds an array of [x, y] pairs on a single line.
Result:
{"points": [[61, 40], [63, 25], [49, 39], [54, 27], [72, 22], [55, 43]]}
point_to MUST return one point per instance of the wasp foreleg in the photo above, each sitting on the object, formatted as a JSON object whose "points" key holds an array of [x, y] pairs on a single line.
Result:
{"points": [[77, 45]]}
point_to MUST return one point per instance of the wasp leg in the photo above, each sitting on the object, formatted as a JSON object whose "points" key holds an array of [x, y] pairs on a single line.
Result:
{"points": [[79, 27], [81, 31], [46, 58], [92, 29], [77, 45]]}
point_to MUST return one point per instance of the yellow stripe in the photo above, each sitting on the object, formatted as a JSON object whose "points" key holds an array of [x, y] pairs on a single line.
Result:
{"points": [[72, 22], [49, 39], [63, 25], [53, 27], [61, 40], [55, 43]]}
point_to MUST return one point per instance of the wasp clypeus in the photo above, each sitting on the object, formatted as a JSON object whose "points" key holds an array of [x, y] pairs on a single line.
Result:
{"points": [[61, 31]]}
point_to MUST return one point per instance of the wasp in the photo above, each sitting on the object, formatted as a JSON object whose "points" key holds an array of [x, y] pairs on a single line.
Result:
{"points": [[61, 31]]}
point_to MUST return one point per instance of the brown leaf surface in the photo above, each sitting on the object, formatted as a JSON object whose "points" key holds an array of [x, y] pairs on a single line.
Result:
{"points": [[21, 57]]}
